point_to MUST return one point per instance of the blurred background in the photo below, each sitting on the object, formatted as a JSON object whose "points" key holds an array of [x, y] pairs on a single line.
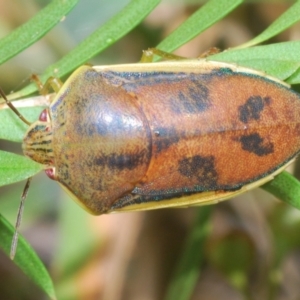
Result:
{"points": [[253, 250]]}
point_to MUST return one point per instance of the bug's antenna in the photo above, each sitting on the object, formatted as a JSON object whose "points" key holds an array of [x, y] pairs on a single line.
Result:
{"points": [[10, 105], [14, 242]]}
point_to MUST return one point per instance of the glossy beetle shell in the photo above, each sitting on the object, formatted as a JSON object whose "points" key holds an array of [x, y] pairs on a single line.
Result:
{"points": [[145, 136]]}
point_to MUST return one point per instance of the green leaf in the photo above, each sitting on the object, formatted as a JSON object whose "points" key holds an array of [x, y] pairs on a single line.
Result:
{"points": [[207, 15], [11, 127], [15, 168], [109, 33], [188, 269], [34, 29], [26, 259], [281, 60], [286, 188], [286, 20]]}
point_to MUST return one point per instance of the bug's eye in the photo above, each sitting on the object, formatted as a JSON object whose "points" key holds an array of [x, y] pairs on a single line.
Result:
{"points": [[50, 173], [43, 115]]}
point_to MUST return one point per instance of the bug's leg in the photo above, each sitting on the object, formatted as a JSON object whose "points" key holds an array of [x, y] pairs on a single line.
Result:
{"points": [[149, 54], [14, 242], [211, 51], [52, 82], [12, 107]]}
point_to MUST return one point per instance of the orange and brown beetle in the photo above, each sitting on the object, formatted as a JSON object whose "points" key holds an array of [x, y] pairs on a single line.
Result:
{"points": [[168, 134]]}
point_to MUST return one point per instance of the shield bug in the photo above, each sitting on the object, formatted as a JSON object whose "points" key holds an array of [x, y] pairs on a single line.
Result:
{"points": [[167, 134]]}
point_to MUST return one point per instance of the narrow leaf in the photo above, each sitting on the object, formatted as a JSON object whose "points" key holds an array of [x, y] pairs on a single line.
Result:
{"points": [[26, 259], [286, 188], [34, 29], [280, 60], [207, 15], [15, 168], [286, 20]]}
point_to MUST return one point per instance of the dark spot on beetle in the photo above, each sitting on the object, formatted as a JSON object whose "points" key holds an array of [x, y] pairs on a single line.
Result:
{"points": [[164, 137], [201, 167], [200, 94], [186, 106], [256, 144], [121, 161], [193, 100], [252, 108]]}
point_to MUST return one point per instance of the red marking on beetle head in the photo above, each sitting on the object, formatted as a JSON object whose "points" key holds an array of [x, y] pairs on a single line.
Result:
{"points": [[50, 173], [43, 115]]}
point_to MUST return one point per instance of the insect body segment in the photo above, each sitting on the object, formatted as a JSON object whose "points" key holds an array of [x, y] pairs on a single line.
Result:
{"points": [[165, 134]]}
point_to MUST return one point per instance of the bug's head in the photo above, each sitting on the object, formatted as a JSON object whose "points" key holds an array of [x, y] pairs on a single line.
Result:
{"points": [[37, 143]]}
